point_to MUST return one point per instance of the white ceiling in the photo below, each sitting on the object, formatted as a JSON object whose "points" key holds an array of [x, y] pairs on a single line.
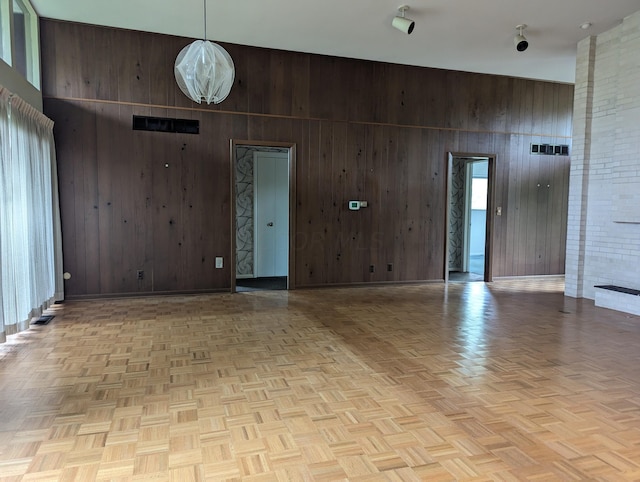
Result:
{"points": [[468, 35]]}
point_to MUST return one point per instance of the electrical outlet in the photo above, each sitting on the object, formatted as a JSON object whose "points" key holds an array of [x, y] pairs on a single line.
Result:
{"points": [[219, 262], [372, 268], [140, 274], [390, 267]]}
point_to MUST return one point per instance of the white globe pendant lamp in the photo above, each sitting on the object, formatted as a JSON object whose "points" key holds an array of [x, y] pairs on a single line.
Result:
{"points": [[204, 70]]}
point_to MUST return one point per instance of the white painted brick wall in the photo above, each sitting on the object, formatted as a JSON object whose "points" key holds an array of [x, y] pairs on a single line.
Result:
{"points": [[579, 172], [604, 195]]}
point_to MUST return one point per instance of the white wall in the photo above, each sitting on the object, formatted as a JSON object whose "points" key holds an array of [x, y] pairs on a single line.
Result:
{"points": [[478, 233], [603, 242]]}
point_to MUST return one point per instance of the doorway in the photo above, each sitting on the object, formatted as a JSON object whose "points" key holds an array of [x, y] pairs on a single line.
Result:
{"points": [[262, 215], [469, 233], [475, 217]]}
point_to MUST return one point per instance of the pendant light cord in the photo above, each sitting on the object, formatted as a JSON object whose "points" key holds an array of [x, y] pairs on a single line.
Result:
{"points": [[205, 19]]}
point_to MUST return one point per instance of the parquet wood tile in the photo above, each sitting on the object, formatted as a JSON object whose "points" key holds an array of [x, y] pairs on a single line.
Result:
{"points": [[501, 381]]}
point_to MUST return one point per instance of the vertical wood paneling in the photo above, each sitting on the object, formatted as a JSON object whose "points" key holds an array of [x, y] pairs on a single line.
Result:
{"points": [[543, 183], [327, 78], [137, 75], [126, 190], [503, 253], [375, 165], [362, 74], [142, 221], [558, 212], [363, 130], [354, 188], [111, 171], [390, 211], [510, 206], [105, 74]]}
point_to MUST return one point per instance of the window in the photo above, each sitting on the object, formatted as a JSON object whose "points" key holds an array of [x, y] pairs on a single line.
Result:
{"points": [[19, 45], [19, 37], [5, 31], [479, 193]]}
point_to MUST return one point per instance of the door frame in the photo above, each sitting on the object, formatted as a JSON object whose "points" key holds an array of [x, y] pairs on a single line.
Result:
{"points": [[489, 237], [291, 146]]}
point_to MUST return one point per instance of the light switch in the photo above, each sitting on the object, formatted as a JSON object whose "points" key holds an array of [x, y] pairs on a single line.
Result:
{"points": [[219, 262]]}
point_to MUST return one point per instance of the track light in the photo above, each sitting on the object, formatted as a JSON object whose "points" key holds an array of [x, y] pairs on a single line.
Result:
{"points": [[403, 23], [519, 40]]}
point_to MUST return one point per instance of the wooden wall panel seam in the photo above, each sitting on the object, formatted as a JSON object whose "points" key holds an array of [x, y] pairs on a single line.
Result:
{"points": [[279, 116]]}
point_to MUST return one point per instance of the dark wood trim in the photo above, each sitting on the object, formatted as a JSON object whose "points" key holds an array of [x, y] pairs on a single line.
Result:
{"points": [[292, 216], [371, 283], [141, 294], [234, 222], [489, 247]]}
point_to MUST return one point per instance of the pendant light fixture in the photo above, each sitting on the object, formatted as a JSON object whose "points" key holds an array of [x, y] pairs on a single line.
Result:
{"points": [[204, 70]]}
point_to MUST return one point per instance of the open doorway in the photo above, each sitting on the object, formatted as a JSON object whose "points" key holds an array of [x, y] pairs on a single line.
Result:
{"points": [[262, 215], [470, 188], [475, 217]]}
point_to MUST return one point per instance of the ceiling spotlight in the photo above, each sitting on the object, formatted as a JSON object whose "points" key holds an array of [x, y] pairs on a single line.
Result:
{"points": [[520, 40], [403, 23], [586, 25]]}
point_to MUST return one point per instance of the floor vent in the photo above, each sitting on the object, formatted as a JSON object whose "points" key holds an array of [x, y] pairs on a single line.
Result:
{"points": [[43, 320]]}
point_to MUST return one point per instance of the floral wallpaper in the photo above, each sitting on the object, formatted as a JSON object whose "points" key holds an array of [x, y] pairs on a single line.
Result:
{"points": [[244, 211], [456, 218]]}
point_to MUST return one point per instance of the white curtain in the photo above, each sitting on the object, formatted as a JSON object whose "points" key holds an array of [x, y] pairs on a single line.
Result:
{"points": [[30, 240]]}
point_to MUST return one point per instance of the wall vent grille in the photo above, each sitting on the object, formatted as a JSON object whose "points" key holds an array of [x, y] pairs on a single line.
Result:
{"points": [[165, 124]]}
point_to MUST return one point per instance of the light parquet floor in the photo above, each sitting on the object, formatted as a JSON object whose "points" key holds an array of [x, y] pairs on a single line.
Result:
{"points": [[506, 381]]}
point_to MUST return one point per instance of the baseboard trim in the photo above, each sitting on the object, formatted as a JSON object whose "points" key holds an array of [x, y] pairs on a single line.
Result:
{"points": [[532, 277], [145, 294], [369, 284]]}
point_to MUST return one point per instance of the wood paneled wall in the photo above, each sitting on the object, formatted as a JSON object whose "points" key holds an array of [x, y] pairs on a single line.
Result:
{"points": [[135, 200]]}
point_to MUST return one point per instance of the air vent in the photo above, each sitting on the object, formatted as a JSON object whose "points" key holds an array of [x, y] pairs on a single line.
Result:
{"points": [[550, 150], [165, 124]]}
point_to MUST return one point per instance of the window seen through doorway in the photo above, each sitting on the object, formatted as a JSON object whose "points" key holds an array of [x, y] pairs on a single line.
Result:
{"points": [[479, 193]]}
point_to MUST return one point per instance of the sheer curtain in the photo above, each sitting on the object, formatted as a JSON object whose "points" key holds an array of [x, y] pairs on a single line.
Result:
{"points": [[30, 240]]}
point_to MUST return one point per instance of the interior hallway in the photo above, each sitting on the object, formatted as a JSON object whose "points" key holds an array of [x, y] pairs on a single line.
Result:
{"points": [[501, 381]]}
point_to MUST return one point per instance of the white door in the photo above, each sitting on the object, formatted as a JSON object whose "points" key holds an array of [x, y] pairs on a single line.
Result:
{"points": [[271, 218]]}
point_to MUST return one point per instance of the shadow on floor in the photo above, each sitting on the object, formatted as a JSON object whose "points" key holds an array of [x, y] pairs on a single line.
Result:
{"points": [[475, 273], [262, 284], [458, 276]]}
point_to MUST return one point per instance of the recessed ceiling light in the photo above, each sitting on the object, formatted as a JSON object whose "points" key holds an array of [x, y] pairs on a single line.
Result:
{"points": [[586, 25]]}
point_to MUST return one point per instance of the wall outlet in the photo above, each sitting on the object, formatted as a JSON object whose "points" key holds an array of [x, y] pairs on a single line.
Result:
{"points": [[219, 262], [390, 267], [140, 274], [372, 268]]}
